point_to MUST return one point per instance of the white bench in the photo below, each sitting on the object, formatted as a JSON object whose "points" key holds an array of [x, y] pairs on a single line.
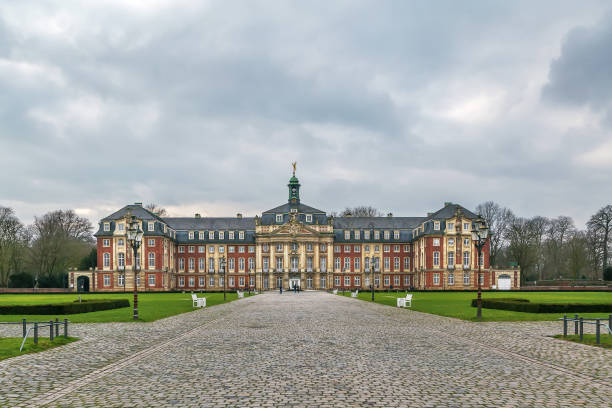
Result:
{"points": [[403, 302], [198, 302], [354, 294], [240, 294], [335, 291]]}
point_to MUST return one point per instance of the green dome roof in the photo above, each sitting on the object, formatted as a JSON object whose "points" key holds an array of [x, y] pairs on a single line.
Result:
{"points": [[293, 180]]}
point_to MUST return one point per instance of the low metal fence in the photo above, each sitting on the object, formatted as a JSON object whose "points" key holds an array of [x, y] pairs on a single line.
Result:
{"points": [[35, 328], [579, 323]]}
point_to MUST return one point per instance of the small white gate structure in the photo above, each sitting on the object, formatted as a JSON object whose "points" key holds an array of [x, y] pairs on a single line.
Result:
{"points": [[504, 282]]}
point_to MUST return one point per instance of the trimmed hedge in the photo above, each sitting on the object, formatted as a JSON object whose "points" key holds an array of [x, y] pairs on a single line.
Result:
{"points": [[85, 306], [524, 305]]}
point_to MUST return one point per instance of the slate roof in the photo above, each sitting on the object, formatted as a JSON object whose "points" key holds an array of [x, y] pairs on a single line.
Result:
{"points": [[448, 211], [285, 208], [135, 209], [377, 222], [210, 223]]}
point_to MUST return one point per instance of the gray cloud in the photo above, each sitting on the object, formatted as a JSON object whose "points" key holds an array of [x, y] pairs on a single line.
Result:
{"points": [[397, 104]]}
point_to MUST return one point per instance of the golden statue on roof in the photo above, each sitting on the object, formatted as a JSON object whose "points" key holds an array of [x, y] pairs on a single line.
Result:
{"points": [[294, 164]]}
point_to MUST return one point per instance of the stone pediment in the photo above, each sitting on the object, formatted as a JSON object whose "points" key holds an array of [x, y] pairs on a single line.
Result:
{"points": [[294, 227]]}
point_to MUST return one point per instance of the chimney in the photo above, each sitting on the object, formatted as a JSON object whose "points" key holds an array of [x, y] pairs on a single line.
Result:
{"points": [[197, 216], [447, 203], [390, 215], [239, 215], [138, 204]]}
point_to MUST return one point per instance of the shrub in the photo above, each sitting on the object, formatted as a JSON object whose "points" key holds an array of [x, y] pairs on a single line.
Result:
{"points": [[524, 305], [93, 305]]}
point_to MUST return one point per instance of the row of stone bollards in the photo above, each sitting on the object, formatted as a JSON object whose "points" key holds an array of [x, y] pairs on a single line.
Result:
{"points": [[54, 327]]}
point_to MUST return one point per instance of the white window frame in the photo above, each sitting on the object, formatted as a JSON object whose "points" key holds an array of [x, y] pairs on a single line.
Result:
{"points": [[211, 235], [191, 234], [191, 281], [436, 258], [436, 278], [191, 264], [436, 225], [151, 257], [308, 217], [107, 226], [106, 259], [279, 217], [221, 234], [396, 234], [347, 234], [347, 281], [181, 264], [436, 242], [387, 234], [230, 235], [151, 279], [451, 278], [106, 243], [151, 226], [396, 280], [107, 280], [241, 235]]}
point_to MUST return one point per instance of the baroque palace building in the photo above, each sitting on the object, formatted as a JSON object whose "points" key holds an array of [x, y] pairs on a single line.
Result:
{"points": [[293, 244]]}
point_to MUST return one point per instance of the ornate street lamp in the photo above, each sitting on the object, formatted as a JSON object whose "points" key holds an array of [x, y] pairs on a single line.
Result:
{"points": [[372, 276], [480, 232], [135, 234], [222, 266]]}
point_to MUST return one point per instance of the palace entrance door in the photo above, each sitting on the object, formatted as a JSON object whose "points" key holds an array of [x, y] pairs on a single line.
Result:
{"points": [[294, 282]]}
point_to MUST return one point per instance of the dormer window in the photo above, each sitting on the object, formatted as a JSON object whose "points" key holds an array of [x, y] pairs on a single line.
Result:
{"points": [[221, 235], [107, 226], [279, 217], [211, 235], [230, 235], [376, 234], [201, 235], [466, 227], [151, 226], [357, 234], [308, 217], [190, 234], [450, 226], [436, 225], [120, 227], [386, 235], [241, 235], [347, 234], [294, 210], [366, 234], [395, 234]]}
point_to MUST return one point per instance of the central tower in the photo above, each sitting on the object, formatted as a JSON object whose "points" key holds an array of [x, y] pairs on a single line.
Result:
{"points": [[294, 189]]}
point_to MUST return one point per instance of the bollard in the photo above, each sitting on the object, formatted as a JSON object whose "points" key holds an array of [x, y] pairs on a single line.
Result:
{"points": [[50, 329], [35, 333], [56, 327], [66, 328], [564, 325], [581, 329], [575, 324], [597, 332], [25, 327]]}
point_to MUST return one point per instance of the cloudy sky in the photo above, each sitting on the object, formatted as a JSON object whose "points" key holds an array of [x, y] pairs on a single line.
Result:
{"points": [[201, 106]]}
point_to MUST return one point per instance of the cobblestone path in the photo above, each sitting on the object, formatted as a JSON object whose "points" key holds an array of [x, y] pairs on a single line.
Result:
{"points": [[311, 349]]}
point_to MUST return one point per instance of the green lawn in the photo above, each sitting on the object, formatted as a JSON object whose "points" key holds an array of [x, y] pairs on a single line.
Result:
{"points": [[605, 339], [9, 346], [458, 304], [151, 306]]}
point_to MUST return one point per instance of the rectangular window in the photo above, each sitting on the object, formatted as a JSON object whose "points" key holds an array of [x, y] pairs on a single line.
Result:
{"points": [[309, 247], [436, 258], [181, 249], [201, 249], [121, 280], [357, 234], [251, 281], [436, 225], [221, 281], [279, 217], [231, 282], [191, 249], [221, 234], [181, 281], [466, 227], [241, 249], [241, 280], [151, 280], [376, 234], [309, 264], [366, 234], [347, 264], [347, 234], [377, 264], [387, 280], [347, 281], [347, 249], [211, 265], [451, 260], [323, 247], [406, 248], [211, 249], [231, 249], [396, 235], [450, 227], [451, 242], [241, 264], [451, 278], [357, 280], [323, 283], [377, 281], [231, 264], [279, 263], [336, 280], [323, 264], [396, 248], [211, 282], [107, 280], [191, 264], [106, 226], [337, 264], [191, 281], [357, 262], [337, 249], [406, 280], [120, 242], [396, 264], [151, 260], [436, 278], [221, 249], [251, 249], [386, 248], [120, 227], [481, 276], [181, 264], [279, 247], [151, 226], [190, 234], [106, 242], [266, 263], [436, 242], [357, 249], [201, 236], [466, 242], [466, 278], [230, 235], [308, 217], [241, 235], [251, 264], [211, 235], [387, 262], [201, 281], [201, 265], [386, 234], [466, 259], [367, 248], [406, 263], [396, 280]]}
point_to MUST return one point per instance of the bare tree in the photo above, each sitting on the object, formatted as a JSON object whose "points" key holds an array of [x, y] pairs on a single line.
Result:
{"points": [[539, 226], [498, 219], [600, 226], [156, 209], [560, 230], [361, 211], [59, 239], [577, 254], [10, 242], [521, 244]]}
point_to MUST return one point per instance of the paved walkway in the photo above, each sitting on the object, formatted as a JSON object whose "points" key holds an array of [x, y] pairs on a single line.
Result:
{"points": [[311, 349]]}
